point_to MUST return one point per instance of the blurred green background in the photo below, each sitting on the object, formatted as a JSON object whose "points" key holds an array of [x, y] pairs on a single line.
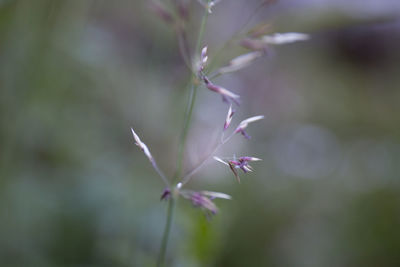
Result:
{"points": [[75, 75]]}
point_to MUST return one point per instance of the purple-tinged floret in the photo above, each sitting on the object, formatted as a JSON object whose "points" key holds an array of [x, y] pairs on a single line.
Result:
{"points": [[166, 194]]}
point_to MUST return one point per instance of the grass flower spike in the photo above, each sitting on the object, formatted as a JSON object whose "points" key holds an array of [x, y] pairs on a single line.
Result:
{"points": [[285, 38], [202, 62], [176, 14], [228, 118], [142, 146], [242, 163], [261, 43], [243, 125], [166, 194], [241, 62], [227, 96], [204, 199], [147, 153]]}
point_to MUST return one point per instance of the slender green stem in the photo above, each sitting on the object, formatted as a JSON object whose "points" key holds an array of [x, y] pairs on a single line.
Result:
{"points": [[191, 102], [201, 32], [167, 230], [185, 129]]}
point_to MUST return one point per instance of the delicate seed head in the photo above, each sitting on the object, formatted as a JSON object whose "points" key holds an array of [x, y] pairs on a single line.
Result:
{"points": [[228, 118], [216, 195], [249, 159], [202, 201], [203, 60], [204, 52], [285, 38], [142, 146], [243, 125], [166, 194], [226, 94], [246, 168], [240, 62]]}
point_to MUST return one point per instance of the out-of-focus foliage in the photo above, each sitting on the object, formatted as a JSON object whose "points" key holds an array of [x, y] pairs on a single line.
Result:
{"points": [[75, 75]]}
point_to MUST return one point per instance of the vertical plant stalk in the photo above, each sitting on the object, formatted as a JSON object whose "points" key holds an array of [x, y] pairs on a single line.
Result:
{"points": [[182, 143], [164, 243], [190, 104]]}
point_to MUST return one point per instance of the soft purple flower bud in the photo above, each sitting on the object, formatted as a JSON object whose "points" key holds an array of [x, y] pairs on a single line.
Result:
{"points": [[234, 162], [202, 201], [226, 94], [249, 159], [285, 38], [243, 125], [228, 118], [243, 132], [242, 163], [166, 194]]}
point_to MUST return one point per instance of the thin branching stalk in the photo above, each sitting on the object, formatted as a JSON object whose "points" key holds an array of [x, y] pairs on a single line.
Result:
{"points": [[185, 129], [190, 174], [196, 63], [191, 103]]}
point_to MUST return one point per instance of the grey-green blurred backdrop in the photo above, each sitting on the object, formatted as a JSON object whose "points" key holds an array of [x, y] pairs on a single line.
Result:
{"points": [[75, 75]]}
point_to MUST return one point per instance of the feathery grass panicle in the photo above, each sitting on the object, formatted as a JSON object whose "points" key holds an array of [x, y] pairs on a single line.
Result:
{"points": [[243, 125], [257, 41], [147, 153], [229, 116]]}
